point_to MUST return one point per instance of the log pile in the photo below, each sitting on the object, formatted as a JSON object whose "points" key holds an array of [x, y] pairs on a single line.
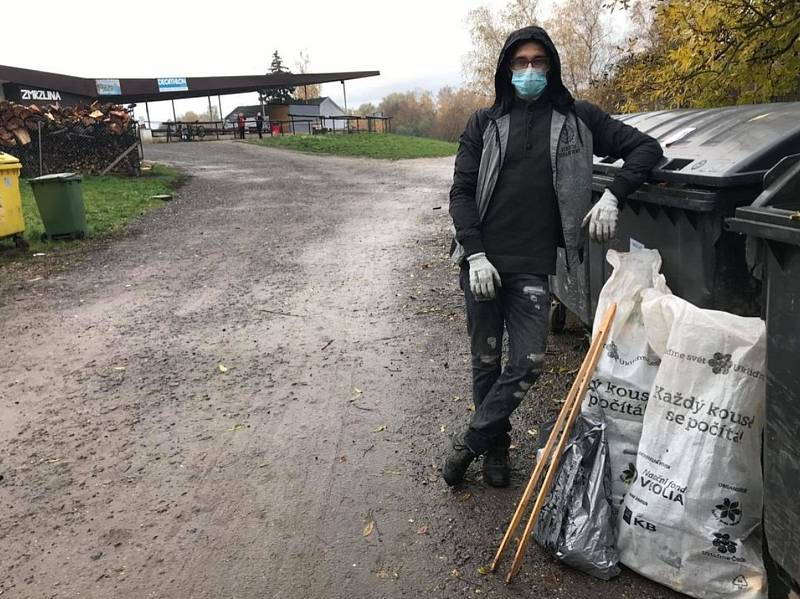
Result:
{"points": [[84, 139]]}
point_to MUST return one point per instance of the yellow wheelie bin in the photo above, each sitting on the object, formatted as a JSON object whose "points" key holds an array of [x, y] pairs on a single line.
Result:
{"points": [[12, 223]]}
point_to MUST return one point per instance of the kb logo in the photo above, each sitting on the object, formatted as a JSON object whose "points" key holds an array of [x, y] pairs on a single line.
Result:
{"points": [[632, 520]]}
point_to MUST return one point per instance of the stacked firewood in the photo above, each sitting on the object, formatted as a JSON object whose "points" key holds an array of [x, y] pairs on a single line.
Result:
{"points": [[79, 138]]}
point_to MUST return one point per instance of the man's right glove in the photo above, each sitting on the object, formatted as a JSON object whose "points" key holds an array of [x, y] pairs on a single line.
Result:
{"points": [[482, 277], [602, 218]]}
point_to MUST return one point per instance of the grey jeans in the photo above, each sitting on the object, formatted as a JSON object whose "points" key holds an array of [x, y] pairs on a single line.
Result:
{"points": [[522, 305]]}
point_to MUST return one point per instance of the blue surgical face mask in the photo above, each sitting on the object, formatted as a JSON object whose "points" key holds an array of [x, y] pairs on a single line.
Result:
{"points": [[529, 83]]}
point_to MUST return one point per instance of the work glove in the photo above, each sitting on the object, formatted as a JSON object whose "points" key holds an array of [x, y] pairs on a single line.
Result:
{"points": [[602, 218], [482, 277]]}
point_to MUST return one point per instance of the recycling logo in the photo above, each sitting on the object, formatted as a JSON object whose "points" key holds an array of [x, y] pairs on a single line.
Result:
{"points": [[720, 363], [740, 582], [728, 512]]}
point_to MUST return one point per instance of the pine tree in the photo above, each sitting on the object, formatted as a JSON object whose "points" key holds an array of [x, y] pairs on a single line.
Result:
{"points": [[283, 95]]}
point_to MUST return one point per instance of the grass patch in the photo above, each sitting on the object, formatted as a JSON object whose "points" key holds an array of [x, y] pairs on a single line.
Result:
{"points": [[371, 145], [110, 203]]}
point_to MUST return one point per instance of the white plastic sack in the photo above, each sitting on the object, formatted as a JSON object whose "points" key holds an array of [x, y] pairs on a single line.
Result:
{"points": [[692, 517], [627, 368]]}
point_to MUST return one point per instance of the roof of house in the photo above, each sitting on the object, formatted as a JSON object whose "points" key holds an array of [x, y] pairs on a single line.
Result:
{"points": [[251, 111]]}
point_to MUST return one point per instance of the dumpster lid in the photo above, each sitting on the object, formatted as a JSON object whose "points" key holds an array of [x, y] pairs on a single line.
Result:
{"points": [[7, 159], [57, 177], [779, 223], [717, 147]]}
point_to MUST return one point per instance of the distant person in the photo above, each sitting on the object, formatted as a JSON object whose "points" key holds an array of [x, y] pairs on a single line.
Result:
{"points": [[259, 124], [522, 188], [242, 121]]}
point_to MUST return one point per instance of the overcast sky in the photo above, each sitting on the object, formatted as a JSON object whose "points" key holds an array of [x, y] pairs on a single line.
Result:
{"points": [[413, 43]]}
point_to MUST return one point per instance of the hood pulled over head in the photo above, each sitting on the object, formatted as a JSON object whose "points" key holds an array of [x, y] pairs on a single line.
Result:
{"points": [[504, 91]]}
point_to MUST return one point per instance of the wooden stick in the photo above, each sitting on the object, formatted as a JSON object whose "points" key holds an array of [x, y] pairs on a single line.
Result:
{"points": [[594, 351], [120, 157], [541, 463]]}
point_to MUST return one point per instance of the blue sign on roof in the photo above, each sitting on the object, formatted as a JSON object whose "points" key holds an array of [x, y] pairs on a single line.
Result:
{"points": [[108, 87], [173, 84]]}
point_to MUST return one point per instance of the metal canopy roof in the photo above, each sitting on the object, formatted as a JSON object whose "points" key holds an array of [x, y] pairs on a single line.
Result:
{"points": [[146, 90]]}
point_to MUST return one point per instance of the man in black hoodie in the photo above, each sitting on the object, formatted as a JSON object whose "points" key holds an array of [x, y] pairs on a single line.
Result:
{"points": [[521, 189]]}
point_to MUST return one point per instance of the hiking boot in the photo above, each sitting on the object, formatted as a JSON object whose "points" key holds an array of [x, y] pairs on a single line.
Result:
{"points": [[496, 469], [456, 464]]}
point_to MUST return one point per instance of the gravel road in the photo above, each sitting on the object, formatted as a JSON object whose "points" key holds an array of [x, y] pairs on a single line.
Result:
{"points": [[249, 393]]}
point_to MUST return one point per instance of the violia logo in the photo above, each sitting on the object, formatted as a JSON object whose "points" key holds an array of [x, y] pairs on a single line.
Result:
{"points": [[723, 543], [612, 350], [720, 363]]}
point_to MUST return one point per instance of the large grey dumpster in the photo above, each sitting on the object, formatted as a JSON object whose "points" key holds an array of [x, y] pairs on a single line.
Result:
{"points": [[715, 160], [774, 223]]}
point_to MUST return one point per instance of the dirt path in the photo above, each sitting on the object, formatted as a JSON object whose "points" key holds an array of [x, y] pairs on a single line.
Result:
{"points": [[132, 466]]}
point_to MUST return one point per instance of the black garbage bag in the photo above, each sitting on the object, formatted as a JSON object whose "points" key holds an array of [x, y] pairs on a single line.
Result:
{"points": [[576, 524]]}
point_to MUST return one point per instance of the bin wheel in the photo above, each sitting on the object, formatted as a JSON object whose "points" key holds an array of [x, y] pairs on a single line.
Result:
{"points": [[80, 234], [21, 243], [44, 237], [558, 316]]}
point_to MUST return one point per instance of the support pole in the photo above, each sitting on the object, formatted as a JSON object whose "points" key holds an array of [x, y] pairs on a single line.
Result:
{"points": [[210, 113], [174, 117], [147, 110], [344, 91], [39, 125], [219, 101]]}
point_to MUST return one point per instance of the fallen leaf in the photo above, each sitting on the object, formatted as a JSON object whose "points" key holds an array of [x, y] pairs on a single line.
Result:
{"points": [[380, 429], [455, 573], [466, 496], [512, 447], [422, 530], [222, 368], [357, 391], [471, 407], [532, 432], [483, 570], [343, 459], [369, 528], [442, 428], [236, 427]]}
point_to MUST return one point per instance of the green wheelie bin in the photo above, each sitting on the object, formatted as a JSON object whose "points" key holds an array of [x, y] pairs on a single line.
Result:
{"points": [[60, 201]]}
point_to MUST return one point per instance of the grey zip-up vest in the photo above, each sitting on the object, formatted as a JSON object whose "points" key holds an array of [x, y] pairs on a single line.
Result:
{"points": [[571, 160]]}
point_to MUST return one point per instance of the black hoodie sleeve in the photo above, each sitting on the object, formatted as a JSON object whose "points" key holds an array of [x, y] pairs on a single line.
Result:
{"points": [[463, 204], [614, 138]]}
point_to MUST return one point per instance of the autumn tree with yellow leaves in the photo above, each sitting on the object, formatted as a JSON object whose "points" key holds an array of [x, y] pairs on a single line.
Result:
{"points": [[704, 53]]}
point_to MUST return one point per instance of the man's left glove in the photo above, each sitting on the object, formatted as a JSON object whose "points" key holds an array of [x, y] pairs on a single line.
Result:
{"points": [[602, 218]]}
